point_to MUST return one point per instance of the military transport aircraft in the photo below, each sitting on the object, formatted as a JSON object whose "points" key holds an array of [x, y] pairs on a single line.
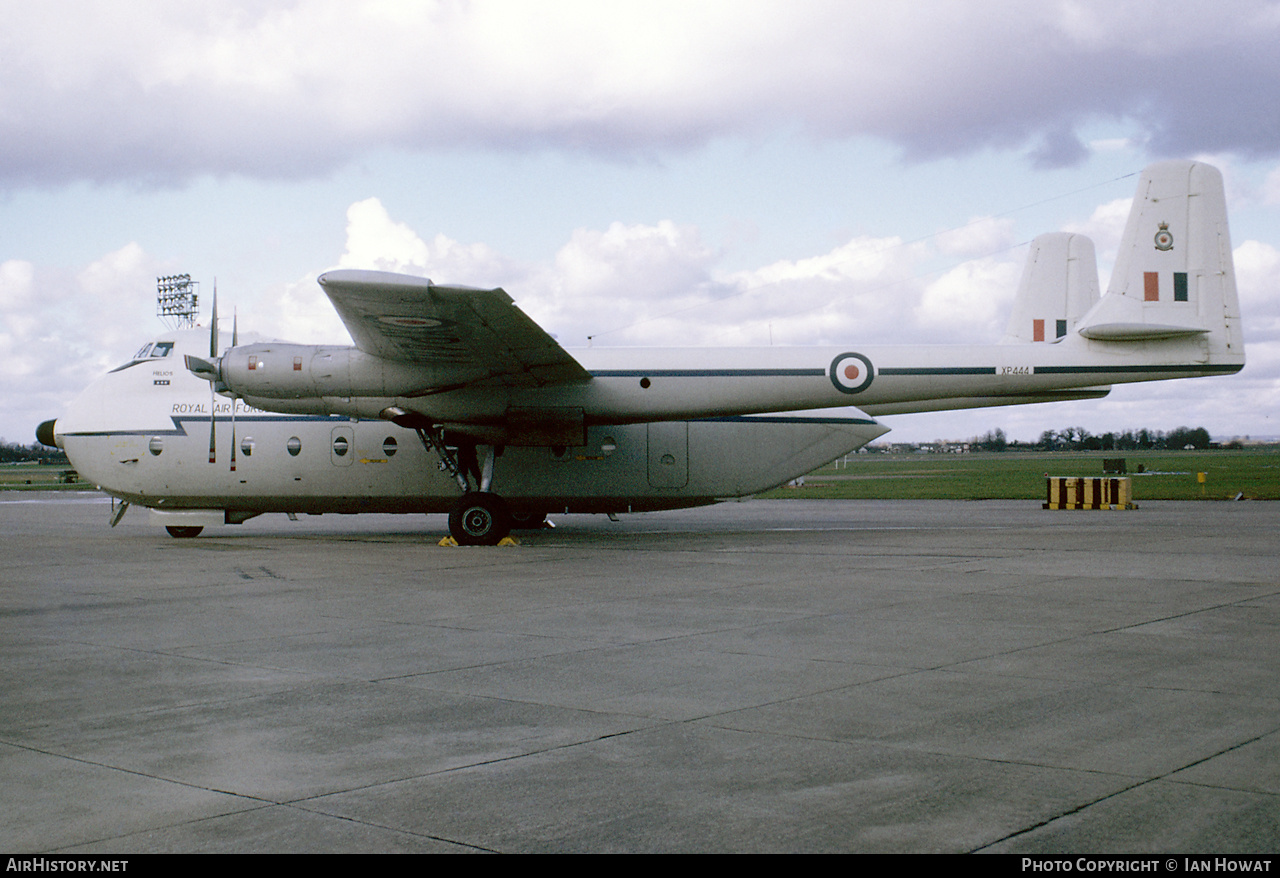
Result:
{"points": [[452, 399]]}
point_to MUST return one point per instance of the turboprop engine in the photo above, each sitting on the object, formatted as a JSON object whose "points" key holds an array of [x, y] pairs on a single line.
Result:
{"points": [[279, 371]]}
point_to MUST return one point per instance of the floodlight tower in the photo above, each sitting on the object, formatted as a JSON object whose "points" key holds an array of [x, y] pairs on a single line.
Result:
{"points": [[177, 302]]}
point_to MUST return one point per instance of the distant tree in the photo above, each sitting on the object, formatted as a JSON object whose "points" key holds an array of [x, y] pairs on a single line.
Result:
{"points": [[1080, 439], [993, 440], [1072, 438], [1184, 436], [11, 453]]}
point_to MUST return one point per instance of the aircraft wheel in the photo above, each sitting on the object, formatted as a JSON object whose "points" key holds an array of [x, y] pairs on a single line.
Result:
{"points": [[181, 532], [527, 520], [479, 519]]}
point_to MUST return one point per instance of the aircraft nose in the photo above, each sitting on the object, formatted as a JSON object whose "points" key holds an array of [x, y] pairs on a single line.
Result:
{"points": [[45, 434]]}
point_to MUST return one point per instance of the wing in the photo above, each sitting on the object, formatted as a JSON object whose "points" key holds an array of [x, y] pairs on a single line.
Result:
{"points": [[410, 319]]}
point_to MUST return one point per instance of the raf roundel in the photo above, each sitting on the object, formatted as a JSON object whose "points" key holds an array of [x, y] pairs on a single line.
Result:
{"points": [[851, 373]]}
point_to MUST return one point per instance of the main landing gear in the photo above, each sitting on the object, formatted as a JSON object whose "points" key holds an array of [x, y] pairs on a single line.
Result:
{"points": [[480, 517]]}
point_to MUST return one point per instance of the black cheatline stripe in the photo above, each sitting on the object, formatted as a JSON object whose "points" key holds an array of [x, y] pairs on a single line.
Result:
{"points": [[709, 373], [939, 370]]}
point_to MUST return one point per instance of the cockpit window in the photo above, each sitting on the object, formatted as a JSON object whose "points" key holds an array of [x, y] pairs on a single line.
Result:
{"points": [[149, 351]]}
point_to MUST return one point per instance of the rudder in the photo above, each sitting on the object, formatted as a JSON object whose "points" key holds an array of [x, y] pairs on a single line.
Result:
{"points": [[1174, 275]]}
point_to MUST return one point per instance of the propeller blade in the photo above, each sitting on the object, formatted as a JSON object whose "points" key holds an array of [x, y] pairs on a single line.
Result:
{"points": [[213, 323], [213, 436], [233, 434], [235, 328], [208, 370]]}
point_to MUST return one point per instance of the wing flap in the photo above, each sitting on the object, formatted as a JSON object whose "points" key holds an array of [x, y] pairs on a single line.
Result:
{"points": [[480, 333]]}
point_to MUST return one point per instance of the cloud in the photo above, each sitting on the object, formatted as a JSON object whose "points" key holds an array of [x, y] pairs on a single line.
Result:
{"points": [[1059, 148], [156, 93], [377, 242], [860, 290], [977, 237], [1104, 227], [1271, 188], [297, 312], [969, 303], [1257, 267], [59, 330], [614, 283]]}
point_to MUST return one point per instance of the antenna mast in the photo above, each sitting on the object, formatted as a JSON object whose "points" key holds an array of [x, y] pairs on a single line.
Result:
{"points": [[177, 302]]}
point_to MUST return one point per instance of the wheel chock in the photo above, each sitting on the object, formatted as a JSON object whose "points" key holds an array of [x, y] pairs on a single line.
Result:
{"points": [[505, 541]]}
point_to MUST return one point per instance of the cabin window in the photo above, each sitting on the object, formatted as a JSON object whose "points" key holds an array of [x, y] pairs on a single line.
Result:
{"points": [[246, 446], [340, 446], [389, 446], [608, 445], [156, 446], [294, 445]]}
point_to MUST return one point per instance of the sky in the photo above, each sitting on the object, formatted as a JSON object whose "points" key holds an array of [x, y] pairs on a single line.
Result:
{"points": [[710, 173]]}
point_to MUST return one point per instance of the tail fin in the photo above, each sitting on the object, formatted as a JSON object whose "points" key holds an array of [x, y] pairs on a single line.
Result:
{"points": [[1174, 276], [1059, 285]]}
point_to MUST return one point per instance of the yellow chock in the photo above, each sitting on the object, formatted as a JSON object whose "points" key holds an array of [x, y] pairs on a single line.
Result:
{"points": [[505, 541]]}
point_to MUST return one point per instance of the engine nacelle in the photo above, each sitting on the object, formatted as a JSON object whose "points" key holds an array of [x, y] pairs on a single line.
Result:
{"points": [[290, 371]]}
